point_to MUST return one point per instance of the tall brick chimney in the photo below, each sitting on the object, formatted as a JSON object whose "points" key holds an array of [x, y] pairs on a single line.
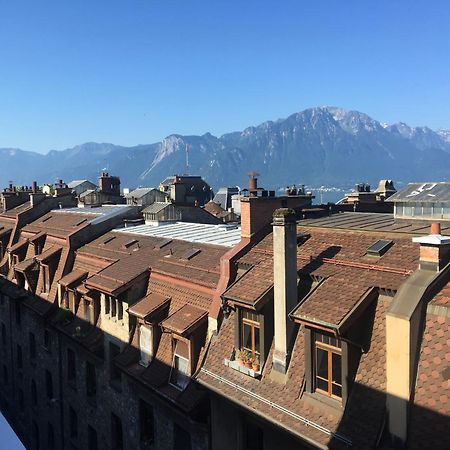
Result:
{"points": [[434, 249], [285, 284], [253, 183]]}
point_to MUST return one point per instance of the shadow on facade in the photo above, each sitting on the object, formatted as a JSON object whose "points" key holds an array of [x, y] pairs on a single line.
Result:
{"points": [[67, 384]]}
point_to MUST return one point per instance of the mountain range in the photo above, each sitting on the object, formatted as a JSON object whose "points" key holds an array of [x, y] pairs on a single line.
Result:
{"points": [[318, 146]]}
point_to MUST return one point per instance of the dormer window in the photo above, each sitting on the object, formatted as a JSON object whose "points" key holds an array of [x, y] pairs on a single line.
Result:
{"points": [[181, 370], [145, 344], [328, 365], [113, 307], [250, 333]]}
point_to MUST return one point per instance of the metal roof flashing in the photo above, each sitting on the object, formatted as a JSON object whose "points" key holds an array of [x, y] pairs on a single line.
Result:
{"points": [[432, 239]]}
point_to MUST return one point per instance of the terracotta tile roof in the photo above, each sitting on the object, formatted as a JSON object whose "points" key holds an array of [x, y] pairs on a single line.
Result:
{"points": [[130, 256], [51, 252], [73, 277], [156, 375], [25, 265], [185, 319], [5, 229], [59, 224], [17, 246], [17, 210], [151, 303], [40, 306], [443, 297], [351, 424], [340, 257], [430, 414]]}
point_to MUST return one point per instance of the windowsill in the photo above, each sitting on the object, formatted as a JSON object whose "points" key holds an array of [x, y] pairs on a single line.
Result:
{"points": [[240, 368], [324, 401]]}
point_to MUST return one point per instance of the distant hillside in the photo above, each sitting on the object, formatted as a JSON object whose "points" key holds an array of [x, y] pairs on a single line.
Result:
{"points": [[320, 146]]}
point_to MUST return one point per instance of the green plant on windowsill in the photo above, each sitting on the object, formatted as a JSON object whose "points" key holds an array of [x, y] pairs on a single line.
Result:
{"points": [[255, 363], [246, 358]]}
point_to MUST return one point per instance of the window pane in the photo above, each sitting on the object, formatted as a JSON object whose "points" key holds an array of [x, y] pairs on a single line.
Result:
{"points": [[181, 364], [256, 349], [246, 336], [145, 343], [337, 390], [337, 373], [322, 384], [322, 363]]}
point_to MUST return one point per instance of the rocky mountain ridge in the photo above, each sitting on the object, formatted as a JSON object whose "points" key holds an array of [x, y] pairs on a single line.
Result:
{"points": [[319, 146]]}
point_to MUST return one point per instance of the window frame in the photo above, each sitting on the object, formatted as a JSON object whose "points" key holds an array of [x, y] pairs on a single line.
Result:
{"points": [[175, 372], [150, 353], [330, 351], [254, 323]]}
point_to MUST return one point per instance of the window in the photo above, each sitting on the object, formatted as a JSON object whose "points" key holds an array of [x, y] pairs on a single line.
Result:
{"points": [[328, 366], [47, 340], [250, 331], [89, 312], [21, 400], [73, 423], [180, 372], [19, 357], [115, 375], [5, 375], [3, 334], [35, 435], [91, 380], [146, 421], [253, 436], [92, 438], [116, 432], [50, 437], [33, 393], [49, 384], [146, 345], [45, 279], [18, 314], [32, 342], [182, 438], [71, 367]]}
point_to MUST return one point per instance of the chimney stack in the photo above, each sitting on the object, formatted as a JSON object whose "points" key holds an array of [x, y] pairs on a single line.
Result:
{"points": [[253, 183], [434, 249], [34, 187], [285, 284]]}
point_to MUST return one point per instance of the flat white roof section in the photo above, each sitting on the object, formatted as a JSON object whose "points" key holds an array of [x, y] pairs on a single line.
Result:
{"points": [[226, 235]]}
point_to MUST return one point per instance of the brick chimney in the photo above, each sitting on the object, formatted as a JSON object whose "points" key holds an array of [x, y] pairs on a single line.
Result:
{"points": [[253, 183], [434, 249], [285, 284]]}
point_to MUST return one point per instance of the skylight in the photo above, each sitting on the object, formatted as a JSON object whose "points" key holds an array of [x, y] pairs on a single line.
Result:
{"points": [[380, 247], [191, 253]]}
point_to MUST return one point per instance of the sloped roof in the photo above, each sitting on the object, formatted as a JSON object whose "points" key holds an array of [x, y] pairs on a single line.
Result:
{"points": [[156, 207], [140, 192], [225, 235], [423, 192], [73, 184], [151, 303], [186, 318]]}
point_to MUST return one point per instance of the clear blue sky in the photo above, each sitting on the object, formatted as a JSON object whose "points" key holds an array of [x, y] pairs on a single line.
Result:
{"points": [[8, 440], [134, 71]]}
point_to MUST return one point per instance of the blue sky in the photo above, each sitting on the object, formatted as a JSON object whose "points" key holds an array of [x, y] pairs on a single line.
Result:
{"points": [[8, 440], [134, 71]]}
